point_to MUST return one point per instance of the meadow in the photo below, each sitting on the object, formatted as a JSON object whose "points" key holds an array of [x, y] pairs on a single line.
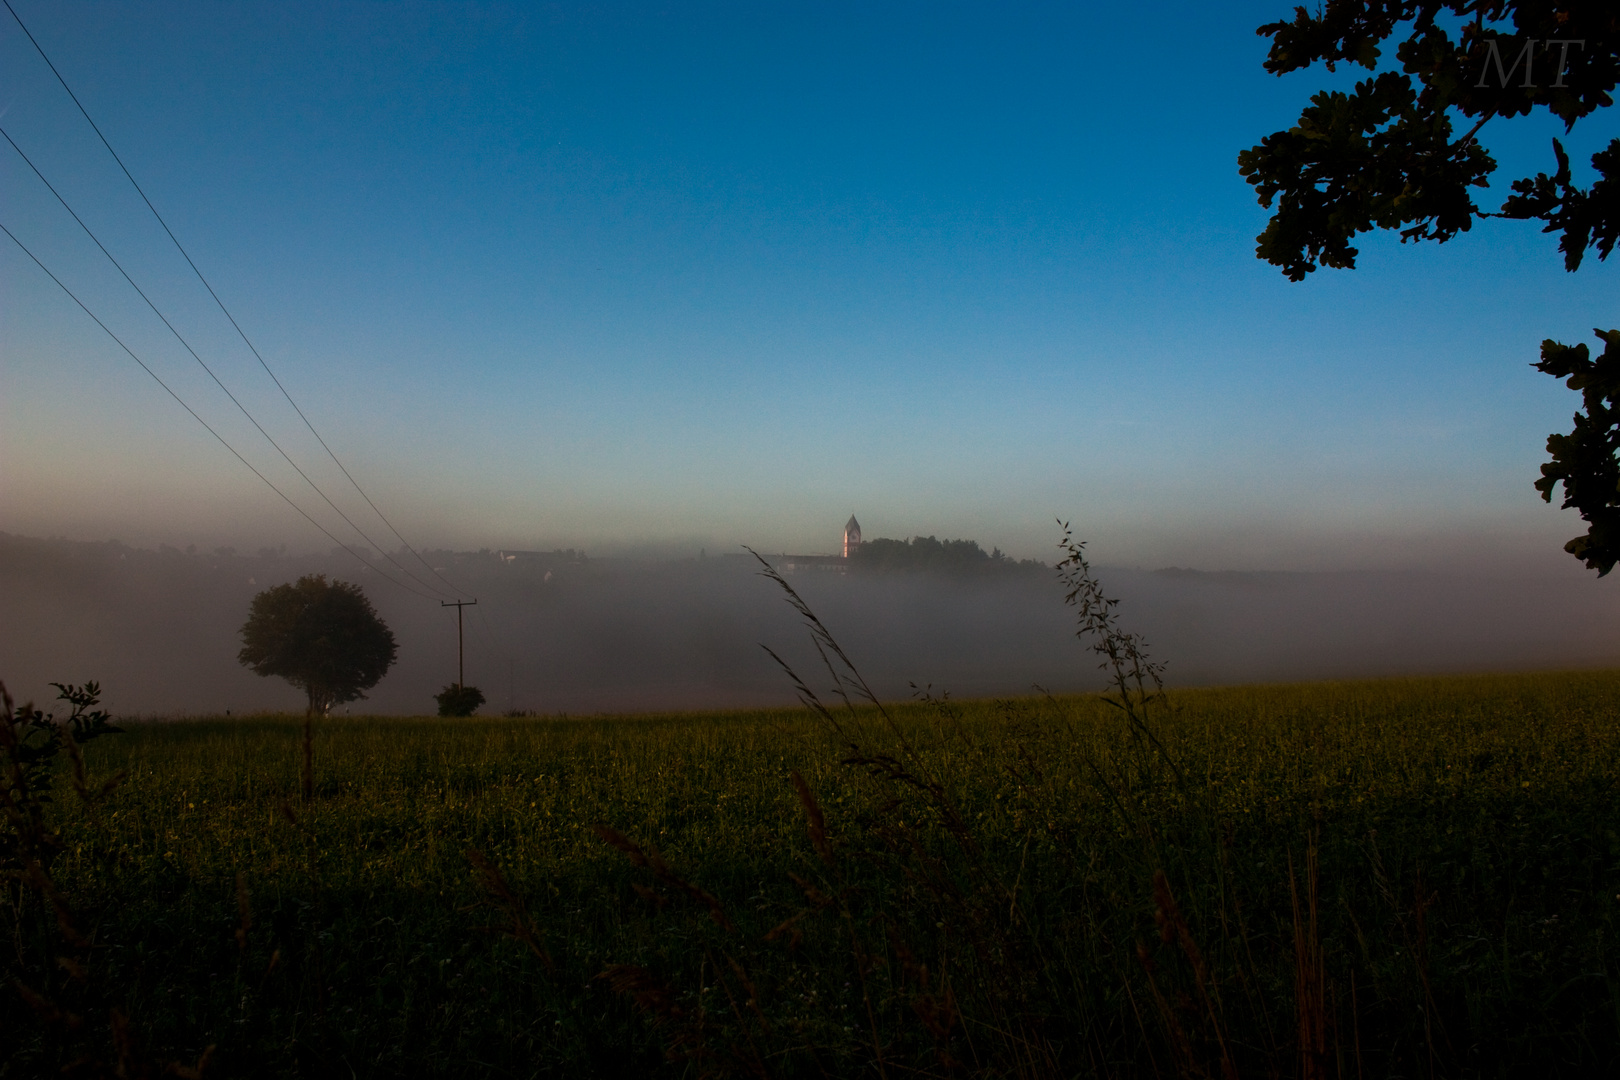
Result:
{"points": [[1394, 878]]}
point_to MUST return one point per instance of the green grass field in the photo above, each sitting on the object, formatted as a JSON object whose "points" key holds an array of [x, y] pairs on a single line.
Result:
{"points": [[982, 899]]}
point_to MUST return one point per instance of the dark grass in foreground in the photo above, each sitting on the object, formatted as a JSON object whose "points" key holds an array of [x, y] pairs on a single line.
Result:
{"points": [[1412, 878]]}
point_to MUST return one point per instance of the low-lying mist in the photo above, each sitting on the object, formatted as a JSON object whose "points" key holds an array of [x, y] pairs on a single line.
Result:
{"points": [[558, 633]]}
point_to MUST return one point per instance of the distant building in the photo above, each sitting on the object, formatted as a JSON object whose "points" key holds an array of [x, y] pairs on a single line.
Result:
{"points": [[838, 564], [560, 555]]}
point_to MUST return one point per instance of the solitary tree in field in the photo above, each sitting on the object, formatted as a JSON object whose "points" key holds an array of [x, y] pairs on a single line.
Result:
{"points": [[1402, 151], [322, 636]]}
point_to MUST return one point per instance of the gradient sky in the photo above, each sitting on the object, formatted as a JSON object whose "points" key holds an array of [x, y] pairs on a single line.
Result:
{"points": [[669, 276]]}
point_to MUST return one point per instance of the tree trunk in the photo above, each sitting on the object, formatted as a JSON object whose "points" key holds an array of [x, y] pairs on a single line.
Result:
{"points": [[320, 701]]}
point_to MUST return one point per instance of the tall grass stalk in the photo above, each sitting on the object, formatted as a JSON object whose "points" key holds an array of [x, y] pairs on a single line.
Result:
{"points": [[1401, 878]]}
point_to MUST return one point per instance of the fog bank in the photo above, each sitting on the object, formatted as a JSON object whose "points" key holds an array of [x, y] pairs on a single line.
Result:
{"points": [[554, 633]]}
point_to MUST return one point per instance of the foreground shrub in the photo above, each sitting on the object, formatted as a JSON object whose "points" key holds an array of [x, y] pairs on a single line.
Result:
{"points": [[1397, 878], [458, 700]]}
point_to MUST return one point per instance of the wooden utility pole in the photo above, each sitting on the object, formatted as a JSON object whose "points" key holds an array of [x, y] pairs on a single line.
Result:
{"points": [[461, 648]]}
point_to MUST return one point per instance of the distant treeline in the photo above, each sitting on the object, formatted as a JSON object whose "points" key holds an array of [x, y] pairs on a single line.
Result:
{"points": [[930, 554]]}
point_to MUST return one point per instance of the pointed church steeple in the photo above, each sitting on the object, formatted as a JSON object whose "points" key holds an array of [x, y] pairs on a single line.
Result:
{"points": [[852, 536]]}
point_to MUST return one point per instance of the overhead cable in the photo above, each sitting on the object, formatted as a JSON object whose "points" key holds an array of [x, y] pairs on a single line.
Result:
{"points": [[222, 441], [217, 381], [226, 311]]}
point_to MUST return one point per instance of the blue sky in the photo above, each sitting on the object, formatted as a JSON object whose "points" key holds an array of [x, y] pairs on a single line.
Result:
{"points": [[637, 277]]}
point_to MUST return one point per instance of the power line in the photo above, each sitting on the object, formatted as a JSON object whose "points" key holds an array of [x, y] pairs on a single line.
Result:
{"points": [[251, 347], [178, 337], [240, 332], [222, 441]]}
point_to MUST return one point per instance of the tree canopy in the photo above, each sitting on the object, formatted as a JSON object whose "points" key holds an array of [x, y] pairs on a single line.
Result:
{"points": [[1402, 151], [322, 636], [937, 556], [1388, 155]]}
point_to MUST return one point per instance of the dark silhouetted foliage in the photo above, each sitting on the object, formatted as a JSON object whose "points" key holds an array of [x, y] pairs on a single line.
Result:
{"points": [[322, 636], [458, 700], [936, 556], [1587, 460], [1387, 156], [30, 741]]}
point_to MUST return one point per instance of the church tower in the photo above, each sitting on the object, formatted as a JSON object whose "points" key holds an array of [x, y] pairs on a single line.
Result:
{"points": [[852, 536]]}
